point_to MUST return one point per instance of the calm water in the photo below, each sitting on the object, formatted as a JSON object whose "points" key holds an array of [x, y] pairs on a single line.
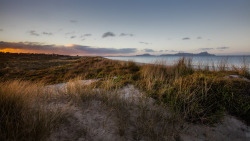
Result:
{"points": [[202, 61]]}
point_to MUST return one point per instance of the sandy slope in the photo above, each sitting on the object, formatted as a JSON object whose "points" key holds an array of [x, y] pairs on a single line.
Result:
{"points": [[95, 121]]}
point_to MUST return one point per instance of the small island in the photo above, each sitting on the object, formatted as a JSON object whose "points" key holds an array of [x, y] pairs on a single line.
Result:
{"points": [[189, 54], [180, 54], [146, 54]]}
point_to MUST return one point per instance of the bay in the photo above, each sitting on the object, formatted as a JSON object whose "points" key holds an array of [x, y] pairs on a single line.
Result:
{"points": [[197, 61]]}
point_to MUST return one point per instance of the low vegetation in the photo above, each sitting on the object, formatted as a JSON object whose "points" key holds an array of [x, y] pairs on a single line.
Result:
{"points": [[135, 116], [200, 95], [23, 115]]}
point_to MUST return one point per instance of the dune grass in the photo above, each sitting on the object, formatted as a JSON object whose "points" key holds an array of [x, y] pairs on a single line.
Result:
{"points": [[22, 112], [201, 95], [135, 115]]}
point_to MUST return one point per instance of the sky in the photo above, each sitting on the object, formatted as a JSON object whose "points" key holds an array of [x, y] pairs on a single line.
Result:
{"points": [[125, 27]]}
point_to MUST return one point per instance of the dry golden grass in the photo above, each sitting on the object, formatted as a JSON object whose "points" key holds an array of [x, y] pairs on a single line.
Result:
{"points": [[198, 95], [137, 117], [23, 115]]}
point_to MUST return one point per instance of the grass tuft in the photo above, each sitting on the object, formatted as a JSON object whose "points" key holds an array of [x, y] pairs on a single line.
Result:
{"points": [[22, 117]]}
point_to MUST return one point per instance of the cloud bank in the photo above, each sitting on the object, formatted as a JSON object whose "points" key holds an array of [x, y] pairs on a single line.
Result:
{"points": [[67, 50]]}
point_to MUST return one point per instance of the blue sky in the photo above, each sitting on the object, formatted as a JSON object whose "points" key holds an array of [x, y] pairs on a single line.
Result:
{"points": [[125, 27]]}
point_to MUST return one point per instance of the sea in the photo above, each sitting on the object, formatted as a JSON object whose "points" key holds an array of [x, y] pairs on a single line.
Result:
{"points": [[229, 62]]}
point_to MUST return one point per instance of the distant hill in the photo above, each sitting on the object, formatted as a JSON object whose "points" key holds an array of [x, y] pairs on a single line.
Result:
{"points": [[145, 55], [189, 54]]}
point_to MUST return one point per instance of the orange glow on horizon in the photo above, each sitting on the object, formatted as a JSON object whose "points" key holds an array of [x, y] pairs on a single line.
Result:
{"points": [[69, 45], [17, 51], [11, 50]]}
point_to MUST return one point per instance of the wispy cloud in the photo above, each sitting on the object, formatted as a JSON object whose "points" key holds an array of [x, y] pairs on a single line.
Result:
{"points": [[148, 50], [199, 37], [73, 21], [70, 33], [69, 50], [204, 49], [186, 38], [1, 29], [108, 34], [47, 33], [222, 48], [126, 34], [145, 43], [87, 35], [33, 33]]}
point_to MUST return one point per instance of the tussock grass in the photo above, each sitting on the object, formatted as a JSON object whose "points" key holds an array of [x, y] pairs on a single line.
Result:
{"points": [[22, 114], [136, 117], [199, 95], [223, 64], [243, 70], [193, 97]]}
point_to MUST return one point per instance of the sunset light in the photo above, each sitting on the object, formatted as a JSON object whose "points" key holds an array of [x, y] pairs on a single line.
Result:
{"points": [[155, 27], [124, 70]]}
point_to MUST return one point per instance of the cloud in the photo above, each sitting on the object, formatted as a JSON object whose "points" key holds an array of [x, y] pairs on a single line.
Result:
{"points": [[47, 33], [145, 43], [172, 51], [148, 50], [70, 33], [72, 37], [73, 21], [85, 35], [205, 49], [108, 34], [33, 33], [91, 50], [69, 50], [186, 38], [222, 48], [1, 29], [126, 34], [199, 38]]}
